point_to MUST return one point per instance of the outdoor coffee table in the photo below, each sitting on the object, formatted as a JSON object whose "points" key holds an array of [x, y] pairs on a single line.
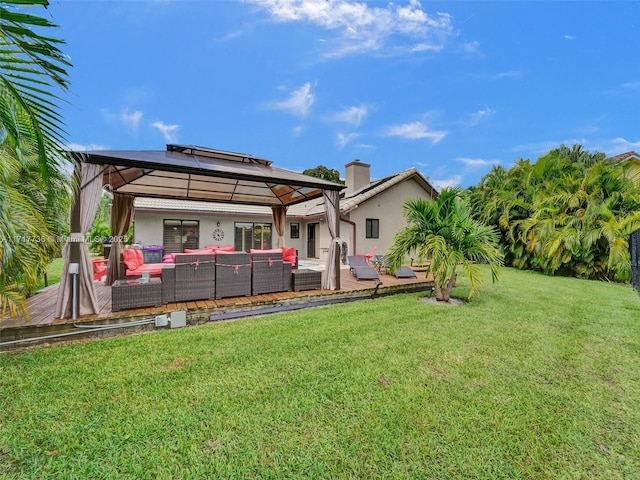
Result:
{"points": [[126, 294], [306, 279]]}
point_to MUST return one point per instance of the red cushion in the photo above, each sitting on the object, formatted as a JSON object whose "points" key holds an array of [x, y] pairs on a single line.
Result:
{"points": [[205, 251], [130, 258], [139, 255], [168, 258], [152, 268], [273, 250], [289, 254]]}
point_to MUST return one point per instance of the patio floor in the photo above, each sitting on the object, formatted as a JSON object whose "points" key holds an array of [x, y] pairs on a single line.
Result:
{"points": [[42, 304]]}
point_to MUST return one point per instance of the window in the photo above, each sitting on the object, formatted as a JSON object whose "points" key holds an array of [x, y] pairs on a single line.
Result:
{"points": [[180, 234], [295, 230], [251, 235], [373, 228]]}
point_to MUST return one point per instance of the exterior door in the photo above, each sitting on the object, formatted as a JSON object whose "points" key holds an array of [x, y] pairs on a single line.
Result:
{"points": [[312, 250]]}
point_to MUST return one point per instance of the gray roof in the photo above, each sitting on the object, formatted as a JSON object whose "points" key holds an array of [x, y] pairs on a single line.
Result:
{"points": [[349, 203], [203, 174]]}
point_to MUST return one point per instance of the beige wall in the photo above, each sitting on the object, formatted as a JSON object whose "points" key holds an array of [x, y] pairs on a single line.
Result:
{"points": [[148, 228], [632, 171], [387, 208]]}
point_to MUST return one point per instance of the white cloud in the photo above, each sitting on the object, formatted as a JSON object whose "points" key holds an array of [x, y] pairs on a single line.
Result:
{"points": [[345, 138], [453, 181], [477, 162], [626, 88], [77, 147], [569, 37], [625, 145], [425, 47], [471, 47], [129, 119], [352, 115], [415, 131], [516, 74], [481, 114], [631, 86], [169, 132], [299, 102], [360, 28]]}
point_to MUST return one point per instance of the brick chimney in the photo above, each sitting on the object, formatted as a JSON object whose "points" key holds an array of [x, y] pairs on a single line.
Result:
{"points": [[357, 176]]}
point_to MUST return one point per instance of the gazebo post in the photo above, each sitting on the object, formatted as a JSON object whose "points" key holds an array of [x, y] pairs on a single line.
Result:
{"points": [[336, 257], [331, 279], [74, 226], [80, 299]]}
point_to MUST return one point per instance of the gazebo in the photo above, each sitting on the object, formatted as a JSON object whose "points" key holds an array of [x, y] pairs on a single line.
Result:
{"points": [[180, 172]]}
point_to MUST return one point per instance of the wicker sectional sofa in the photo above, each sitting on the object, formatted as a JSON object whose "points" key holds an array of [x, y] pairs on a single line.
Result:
{"points": [[195, 277], [217, 274], [233, 271]]}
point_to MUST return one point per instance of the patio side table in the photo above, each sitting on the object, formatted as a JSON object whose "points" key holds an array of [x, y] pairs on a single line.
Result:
{"points": [[306, 279], [126, 294]]}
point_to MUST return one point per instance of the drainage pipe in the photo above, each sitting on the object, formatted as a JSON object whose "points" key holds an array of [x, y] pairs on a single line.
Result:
{"points": [[83, 329], [353, 224]]}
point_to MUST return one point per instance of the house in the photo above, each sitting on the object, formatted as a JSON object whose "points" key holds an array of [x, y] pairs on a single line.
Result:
{"points": [[630, 161], [370, 216]]}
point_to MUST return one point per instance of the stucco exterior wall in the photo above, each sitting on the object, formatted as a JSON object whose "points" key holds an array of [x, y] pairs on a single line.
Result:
{"points": [[387, 208], [632, 171], [148, 228]]}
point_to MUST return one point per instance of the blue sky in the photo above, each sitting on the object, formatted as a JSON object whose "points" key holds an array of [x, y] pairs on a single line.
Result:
{"points": [[450, 88]]}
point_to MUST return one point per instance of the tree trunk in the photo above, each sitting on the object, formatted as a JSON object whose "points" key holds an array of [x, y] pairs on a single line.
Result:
{"points": [[444, 294]]}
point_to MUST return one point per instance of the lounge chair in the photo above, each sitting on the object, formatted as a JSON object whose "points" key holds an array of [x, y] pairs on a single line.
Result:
{"points": [[99, 268], [381, 262], [369, 255], [405, 272], [356, 261], [361, 269]]}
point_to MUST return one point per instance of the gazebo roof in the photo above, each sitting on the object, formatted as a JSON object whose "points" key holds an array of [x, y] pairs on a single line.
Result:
{"points": [[198, 173]]}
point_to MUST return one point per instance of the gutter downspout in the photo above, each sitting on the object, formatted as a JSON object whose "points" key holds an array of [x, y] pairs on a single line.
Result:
{"points": [[353, 224]]}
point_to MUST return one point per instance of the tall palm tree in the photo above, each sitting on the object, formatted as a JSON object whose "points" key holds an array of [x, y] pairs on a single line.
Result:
{"points": [[32, 182], [443, 232], [569, 213]]}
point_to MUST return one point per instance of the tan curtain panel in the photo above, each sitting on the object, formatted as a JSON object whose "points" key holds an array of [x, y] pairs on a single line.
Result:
{"points": [[88, 199], [280, 222], [331, 279], [121, 217]]}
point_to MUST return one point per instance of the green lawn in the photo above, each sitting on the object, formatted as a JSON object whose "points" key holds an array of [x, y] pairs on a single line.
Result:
{"points": [[54, 272], [538, 378]]}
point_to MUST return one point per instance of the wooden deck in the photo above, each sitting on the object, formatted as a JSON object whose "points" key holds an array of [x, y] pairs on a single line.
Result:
{"points": [[42, 305]]}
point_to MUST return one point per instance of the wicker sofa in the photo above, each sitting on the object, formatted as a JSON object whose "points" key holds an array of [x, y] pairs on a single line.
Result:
{"points": [[132, 266], [267, 274], [203, 275], [195, 277], [233, 274]]}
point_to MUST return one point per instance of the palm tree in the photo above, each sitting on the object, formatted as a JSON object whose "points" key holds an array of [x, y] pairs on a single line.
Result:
{"points": [[569, 213], [33, 186], [444, 232]]}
